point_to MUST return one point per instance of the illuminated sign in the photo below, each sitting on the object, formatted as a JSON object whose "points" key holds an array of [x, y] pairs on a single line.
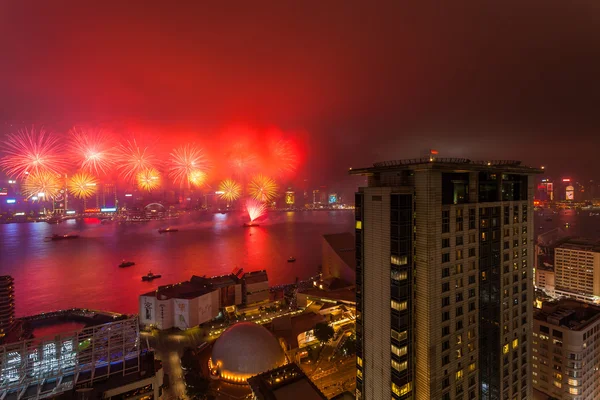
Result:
{"points": [[71, 212], [3, 191], [10, 201], [92, 210], [19, 214], [220, 192], [566, 180], [128, 195], [12, 182], [333, 198], [569, 193], [111, 209]]}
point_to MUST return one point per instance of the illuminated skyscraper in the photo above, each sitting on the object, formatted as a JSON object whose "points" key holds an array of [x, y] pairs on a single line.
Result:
{"points": [[444, 253]]}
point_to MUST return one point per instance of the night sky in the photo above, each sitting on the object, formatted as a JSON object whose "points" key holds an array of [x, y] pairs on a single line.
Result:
{"points": [[500, 80]]}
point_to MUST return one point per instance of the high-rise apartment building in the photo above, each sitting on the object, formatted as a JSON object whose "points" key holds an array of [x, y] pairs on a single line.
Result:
{"points": [[577, 270], [7, 305], [565, 351], [444, 257]]}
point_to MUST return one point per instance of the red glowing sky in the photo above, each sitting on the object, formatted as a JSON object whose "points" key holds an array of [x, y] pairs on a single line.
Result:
{"points": [[352, 84]]}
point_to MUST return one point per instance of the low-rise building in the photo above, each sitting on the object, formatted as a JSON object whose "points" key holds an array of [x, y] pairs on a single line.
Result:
{"points": [[255, 287], [186, 304], [566, 349]]}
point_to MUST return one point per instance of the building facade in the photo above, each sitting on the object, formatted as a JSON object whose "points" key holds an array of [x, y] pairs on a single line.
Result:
{"points": [[577, 270], [444, 258], [565, 350], [7, 305]]}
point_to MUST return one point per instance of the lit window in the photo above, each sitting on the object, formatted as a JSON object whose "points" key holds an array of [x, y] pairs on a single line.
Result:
{"points": [[471, 367], [399, 351], [399, 275], [399, 260], [358, 224], [573, 382], [459, 375], [574, 391], [505, 349], [399, 305], [401, 390], [557, 384], [359, 374], [515, 343], [359, 361], [399, 366]]}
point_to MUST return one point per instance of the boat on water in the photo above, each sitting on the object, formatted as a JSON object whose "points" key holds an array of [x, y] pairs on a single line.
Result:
{"points": [[291, 259], [249, 225], [167, 230], [150, 276], [126, 264], [54, 220], [63, 237]]}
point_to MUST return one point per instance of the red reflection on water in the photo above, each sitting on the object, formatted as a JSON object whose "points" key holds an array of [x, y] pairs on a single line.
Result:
{"points": [[92, 221]]}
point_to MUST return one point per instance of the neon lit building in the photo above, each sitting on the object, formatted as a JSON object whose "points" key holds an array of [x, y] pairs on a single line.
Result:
{"points": [[49, 366]]}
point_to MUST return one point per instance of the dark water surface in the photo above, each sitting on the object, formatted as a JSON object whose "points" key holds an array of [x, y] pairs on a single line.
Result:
{"points": [[83, 272]]}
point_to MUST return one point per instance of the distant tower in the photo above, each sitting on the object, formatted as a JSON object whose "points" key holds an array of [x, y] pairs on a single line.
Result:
{"points": [[7, 305]]}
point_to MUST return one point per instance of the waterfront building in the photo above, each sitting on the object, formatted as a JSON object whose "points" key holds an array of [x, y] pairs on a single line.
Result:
{"points": [[545, 247], [186, 304], [244, 350], [290, 198], [286, 382], [577, 269], [338, 257], [102, 361], [7, 306], [565, 350], [444, 258]]}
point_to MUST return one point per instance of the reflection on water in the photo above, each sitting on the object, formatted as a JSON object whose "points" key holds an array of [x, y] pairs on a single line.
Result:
{"points": [[84, 272]]}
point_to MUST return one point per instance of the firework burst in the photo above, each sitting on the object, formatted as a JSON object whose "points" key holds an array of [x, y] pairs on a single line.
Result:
{"points": [[92, 150], [255, 209], [32, 152], [197, 178], [148, 179], [134, 160], [42, 184], [284, 157], [82, 185], [230, 190], [186, 164], [262, 188]]}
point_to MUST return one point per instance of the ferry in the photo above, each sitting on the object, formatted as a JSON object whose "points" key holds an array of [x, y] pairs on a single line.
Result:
{"points": [[168, 230], [150, 276], [63, 237], [291, 259], [249, 225], [126, 264]]}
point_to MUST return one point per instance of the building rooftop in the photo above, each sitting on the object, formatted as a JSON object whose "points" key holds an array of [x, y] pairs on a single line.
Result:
{"points": [[255, 277], [288, 328], [571, 314], [581, 244], [286, 382], [181, 290], [346, 295], [216, 281], [454, 164], [344, 246]]}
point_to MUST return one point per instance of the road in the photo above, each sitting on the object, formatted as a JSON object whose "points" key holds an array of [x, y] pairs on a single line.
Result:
{"points": [[339, 378]]}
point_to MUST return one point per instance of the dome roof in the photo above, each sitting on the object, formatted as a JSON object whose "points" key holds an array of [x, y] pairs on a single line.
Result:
{"points": [[246, 349]]}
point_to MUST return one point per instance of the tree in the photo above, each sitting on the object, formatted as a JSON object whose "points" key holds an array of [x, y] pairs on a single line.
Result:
{"points": [[196, 385], [188, 361], [349, 346], [323, 332]]}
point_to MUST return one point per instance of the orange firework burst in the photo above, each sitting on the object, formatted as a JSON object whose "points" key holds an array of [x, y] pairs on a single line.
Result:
{"points": [[262, 188], [82, 185], [42, 184], [148, 179], [197, 178], [93, 150], [134, 160], [31, 151], [230, 190], [187, 164]]}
